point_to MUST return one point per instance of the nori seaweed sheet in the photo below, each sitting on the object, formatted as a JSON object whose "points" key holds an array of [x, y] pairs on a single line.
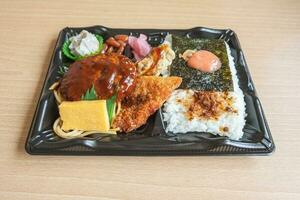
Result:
{"points": [[220, 80]]}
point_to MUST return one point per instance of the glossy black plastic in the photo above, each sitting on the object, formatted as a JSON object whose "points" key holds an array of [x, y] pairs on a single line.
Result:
{"points": [[150, 139]]}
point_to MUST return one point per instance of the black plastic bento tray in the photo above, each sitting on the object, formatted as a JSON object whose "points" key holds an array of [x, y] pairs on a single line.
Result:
{"points": [[150, 139]]}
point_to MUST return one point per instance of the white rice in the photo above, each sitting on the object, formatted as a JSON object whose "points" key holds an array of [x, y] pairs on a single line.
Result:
{"points": [[174, 113]]}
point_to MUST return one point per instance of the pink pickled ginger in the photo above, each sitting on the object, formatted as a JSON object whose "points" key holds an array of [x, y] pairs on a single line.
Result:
{"points": [[140, 46]]}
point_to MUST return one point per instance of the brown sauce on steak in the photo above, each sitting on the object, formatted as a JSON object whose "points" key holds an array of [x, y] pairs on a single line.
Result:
{"points": [[109, 73]]}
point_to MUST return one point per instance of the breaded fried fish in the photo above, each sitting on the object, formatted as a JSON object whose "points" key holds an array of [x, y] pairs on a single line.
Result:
{"points": [[147, 97]]}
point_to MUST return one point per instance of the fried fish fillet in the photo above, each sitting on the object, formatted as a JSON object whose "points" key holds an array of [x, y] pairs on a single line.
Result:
{"points": [[147, 97]]}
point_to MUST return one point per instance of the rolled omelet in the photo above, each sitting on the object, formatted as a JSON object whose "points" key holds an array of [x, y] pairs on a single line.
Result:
{"points": [[84, 115]]}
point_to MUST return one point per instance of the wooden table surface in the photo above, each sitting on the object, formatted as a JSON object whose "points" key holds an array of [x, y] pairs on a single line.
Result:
{"points": [[269, 32]]}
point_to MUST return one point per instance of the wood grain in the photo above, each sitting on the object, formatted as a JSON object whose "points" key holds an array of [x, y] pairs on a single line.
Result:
{"points": [[269, 32]]}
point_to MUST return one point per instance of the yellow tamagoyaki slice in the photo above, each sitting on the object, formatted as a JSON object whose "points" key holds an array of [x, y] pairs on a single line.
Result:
{"points": [[84, 115]]}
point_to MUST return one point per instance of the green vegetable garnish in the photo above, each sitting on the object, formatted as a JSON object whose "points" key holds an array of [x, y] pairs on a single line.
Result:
{"points": [[62, 70], [67, 52], [90, 94], [110, 103], [111, 107]]}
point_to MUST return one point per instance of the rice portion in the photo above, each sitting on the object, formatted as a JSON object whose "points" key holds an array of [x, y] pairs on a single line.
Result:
{"points": [[221, 113]]}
